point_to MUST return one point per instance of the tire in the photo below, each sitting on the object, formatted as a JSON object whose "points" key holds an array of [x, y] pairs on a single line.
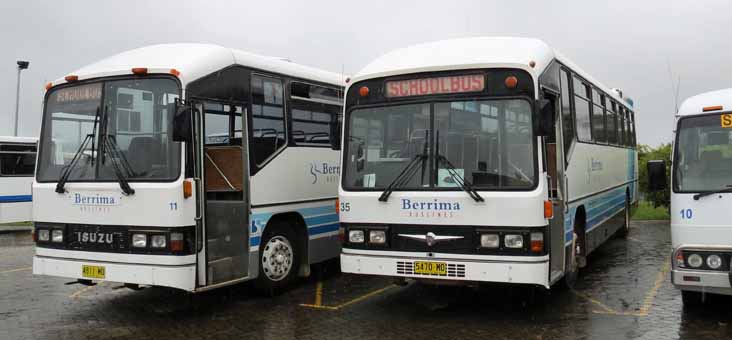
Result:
{"points": [[581, 240], [691, 298], [625, 228], [570, 275], [279, 259]]}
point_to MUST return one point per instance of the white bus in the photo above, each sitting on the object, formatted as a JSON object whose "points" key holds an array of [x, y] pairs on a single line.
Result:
{"points": [[188, 166], [483, 160], [701, 196], [17, 163]]}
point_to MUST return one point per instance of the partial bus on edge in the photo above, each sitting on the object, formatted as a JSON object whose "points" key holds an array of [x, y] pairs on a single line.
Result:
{"points": [[701, 196], [482, 160], [188, 166], [17, 163]]}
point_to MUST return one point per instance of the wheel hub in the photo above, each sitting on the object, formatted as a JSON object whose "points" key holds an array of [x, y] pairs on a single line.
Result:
{"points": [[277, 257]]}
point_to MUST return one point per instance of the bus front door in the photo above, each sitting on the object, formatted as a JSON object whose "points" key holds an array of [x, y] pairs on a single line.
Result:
{"points": [[222, 166], [558, 193]]}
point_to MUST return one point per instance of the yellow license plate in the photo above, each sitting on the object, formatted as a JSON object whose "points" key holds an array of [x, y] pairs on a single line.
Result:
{"points": [[93, 272], [430, 268]]}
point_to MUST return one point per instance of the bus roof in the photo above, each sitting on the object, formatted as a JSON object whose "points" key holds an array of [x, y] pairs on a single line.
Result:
{"points": [[695, 105], [476, 52], [12, 139], [194, 61]]}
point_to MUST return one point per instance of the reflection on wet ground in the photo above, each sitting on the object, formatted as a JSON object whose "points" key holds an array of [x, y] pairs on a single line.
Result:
{"points": [[624, 293]]}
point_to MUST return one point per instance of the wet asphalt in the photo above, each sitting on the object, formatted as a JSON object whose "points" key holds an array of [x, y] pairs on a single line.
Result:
{"points": [[624, 293]]}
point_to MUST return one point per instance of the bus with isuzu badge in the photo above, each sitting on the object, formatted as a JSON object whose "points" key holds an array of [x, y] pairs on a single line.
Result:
{"points": [[701, 196], [17, 163], [188, 166], [482, 160]]}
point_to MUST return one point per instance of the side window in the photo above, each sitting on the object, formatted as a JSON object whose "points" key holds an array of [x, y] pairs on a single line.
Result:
{"points": [[632, 128], [621, 123], [17, 160], [582, 111], [611, 122], [628, 128], [315, 111], [567, 120], [598, 118], [268, 120]]}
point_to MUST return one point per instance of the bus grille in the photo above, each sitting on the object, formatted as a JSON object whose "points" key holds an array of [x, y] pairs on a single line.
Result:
{"points": [[453, 270]]}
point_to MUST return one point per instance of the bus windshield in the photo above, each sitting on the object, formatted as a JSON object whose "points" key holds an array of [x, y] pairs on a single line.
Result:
{"points": [[489, 143], [703, 154], [135, 116]]}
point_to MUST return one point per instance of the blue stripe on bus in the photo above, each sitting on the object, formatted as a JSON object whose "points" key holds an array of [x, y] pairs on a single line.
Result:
{"points": [[324, 229], [321, 219], [16, 198]]}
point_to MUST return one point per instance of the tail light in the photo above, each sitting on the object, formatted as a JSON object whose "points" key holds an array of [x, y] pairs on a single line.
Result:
{"points": [[176, 242], [537, 242], [338, 206]]}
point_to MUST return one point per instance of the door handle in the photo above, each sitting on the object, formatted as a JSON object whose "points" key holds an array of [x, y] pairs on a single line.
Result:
{"points": [[199, 212]]}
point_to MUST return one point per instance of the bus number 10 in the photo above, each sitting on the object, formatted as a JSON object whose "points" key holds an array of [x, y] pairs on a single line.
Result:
{"points": [[686, 214]]}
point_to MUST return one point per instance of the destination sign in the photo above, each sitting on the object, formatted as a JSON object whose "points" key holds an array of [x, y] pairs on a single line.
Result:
{"points": [[436, 85], [79, 93]]}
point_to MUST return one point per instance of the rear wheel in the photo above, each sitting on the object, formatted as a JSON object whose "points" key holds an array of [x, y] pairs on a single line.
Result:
{"points": [[625, 228], [279, 259]]}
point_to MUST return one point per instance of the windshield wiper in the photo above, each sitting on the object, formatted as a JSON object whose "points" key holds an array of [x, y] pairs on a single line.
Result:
{"points": [[728, 188], [408, 172], [460, 180], [108, 144], [67, 170]]}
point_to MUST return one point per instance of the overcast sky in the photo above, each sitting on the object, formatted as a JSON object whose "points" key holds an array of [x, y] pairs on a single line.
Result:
{"points": [[638, 46]]}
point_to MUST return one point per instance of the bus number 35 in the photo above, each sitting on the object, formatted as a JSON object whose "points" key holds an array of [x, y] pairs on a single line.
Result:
{"points": [[686, 214], [345, 206]]}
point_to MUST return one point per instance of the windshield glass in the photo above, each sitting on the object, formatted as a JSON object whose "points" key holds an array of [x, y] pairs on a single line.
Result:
{"points": [[489, 142], [703, 154], [138, 115]]}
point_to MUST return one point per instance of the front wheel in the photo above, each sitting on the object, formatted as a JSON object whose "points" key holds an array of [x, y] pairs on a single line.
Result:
{"points": [[279, 259]]}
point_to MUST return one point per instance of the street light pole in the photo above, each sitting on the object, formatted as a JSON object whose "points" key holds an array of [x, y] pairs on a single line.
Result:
{"points": [[22, 65]]}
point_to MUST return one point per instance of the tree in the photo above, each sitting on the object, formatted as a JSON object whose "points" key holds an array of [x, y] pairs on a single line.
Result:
{"points": [[645, 154]]}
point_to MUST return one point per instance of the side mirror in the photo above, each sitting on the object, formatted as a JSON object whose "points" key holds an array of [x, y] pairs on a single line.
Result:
{"points": [[656, 175], [182, 124], [544, 119]]}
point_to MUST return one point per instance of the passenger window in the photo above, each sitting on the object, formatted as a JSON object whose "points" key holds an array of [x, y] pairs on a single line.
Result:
{"points": [[611, 122], [17, 160], [268, 124], [315, 110], [598, 118], [582, 111], [567, 120], [621, 124]]}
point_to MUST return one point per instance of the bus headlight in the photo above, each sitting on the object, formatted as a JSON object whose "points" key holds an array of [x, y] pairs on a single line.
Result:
{"points": [[355, 236], [158, 241], [377, 236], [489, 240], [714, 261], [139, 240], [513, 241], [57, 236], [695, 260], [44, 235]]}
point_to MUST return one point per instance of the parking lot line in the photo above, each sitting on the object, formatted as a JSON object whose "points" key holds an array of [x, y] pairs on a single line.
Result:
{"points": [[647, 300], [16, 270], [78, 293], [347, 303], [651, 295]]}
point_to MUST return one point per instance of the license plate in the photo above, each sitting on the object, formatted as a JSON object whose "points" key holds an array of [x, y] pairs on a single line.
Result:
{"points": [[93, 272], [430, 268]]}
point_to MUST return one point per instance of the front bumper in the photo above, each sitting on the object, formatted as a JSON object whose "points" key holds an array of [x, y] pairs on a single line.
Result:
{"points": [[708, 282], [535, 272], [174, 276]]}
